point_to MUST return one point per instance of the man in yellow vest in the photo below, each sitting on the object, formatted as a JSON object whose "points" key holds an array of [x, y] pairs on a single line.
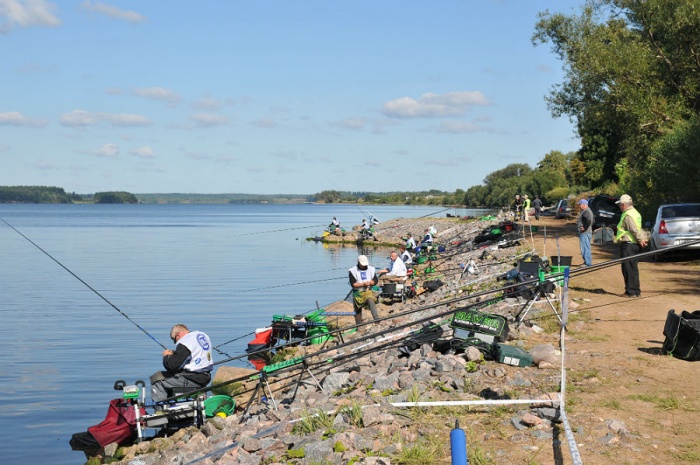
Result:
{"points": [[526, 208], [631, 238]]}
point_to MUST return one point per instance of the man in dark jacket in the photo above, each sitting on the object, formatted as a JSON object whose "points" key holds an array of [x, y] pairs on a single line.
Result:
{"points": [[188, 366], [537, 205], [585, 231]]}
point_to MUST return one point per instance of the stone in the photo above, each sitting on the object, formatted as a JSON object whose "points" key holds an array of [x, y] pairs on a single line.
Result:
{"points": [[335, 381]]}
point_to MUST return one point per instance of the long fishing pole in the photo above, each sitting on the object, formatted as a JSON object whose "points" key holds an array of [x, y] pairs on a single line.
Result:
{"points": [[86, 284]]}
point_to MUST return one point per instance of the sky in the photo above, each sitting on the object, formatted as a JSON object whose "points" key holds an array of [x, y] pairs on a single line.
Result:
{"points": [[274, 97]]}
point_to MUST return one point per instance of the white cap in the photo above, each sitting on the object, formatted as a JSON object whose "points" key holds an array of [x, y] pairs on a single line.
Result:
{"points": [[624, 198], [362, 260]]}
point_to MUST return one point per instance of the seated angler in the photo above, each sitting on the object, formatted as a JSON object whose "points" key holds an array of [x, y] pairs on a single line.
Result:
{"points": [[396, 271], [187, 368], [410, 243], [405, 255], [426, 242]]}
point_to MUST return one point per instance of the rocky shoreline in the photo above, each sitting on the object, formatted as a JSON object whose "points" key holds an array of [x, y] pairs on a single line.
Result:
{"points": [[350, 417]]}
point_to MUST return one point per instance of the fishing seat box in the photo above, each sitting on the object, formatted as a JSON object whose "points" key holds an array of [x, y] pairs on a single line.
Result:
{"points": [[511, 355], [485, 323]]}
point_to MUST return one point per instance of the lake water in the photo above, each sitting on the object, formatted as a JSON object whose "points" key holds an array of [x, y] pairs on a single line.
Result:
{"points": [[222, 269]]}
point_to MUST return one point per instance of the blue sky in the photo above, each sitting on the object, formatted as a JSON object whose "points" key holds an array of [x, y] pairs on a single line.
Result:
{"points": [[273, 96]]}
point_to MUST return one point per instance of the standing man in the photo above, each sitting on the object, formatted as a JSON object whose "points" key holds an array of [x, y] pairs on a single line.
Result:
{"points": [[518, 204], [585, 231], [362, 277], [631, 238], [188, 366], [526, 208], [537, 205]]}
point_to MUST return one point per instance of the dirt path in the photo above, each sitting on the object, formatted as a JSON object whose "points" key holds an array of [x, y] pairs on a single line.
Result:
{"points": [[616, 368]]}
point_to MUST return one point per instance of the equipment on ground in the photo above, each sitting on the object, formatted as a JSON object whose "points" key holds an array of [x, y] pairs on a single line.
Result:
{"points": [[682, 334]]}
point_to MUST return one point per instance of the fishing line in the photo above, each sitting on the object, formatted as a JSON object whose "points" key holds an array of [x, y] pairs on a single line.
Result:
{"points": [[86, 284], [287, 285], [281, 230]]}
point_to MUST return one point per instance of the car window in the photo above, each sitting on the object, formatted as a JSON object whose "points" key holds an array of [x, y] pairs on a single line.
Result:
{"points": [[681, 211]]}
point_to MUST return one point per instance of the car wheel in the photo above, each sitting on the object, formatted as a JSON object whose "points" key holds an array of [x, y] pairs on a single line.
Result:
{"points": [[654, 257]]}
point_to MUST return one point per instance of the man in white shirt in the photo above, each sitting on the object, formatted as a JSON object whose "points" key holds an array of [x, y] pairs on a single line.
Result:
{"points": [[396, 271]]}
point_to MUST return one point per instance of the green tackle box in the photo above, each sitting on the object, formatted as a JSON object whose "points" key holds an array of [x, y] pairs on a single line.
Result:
{"points": [[511, 355]]}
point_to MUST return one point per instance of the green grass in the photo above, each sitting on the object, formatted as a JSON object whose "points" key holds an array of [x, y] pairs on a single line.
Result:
{"points": [[665, 402]]}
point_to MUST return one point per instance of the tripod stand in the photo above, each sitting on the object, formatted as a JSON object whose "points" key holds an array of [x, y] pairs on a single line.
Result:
{"points": [[305, 368], [262, 382], [538, 291]]}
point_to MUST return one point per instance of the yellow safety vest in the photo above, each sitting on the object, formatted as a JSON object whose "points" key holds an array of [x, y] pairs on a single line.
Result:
{"points": [[636, 217], [527, 204]]}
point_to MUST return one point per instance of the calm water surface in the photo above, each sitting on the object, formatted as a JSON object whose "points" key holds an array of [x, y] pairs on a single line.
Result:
{"points": [[222, 269]]}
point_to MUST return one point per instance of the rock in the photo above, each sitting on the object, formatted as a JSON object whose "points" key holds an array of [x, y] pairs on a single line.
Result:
{"points": [[617, 427], [531, 420], [111, 449], [335, 381], [473, 354]]}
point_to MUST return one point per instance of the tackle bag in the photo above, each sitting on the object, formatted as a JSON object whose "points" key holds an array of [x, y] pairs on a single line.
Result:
{"points": [[426, 335], [683, 335], [486, 323]]}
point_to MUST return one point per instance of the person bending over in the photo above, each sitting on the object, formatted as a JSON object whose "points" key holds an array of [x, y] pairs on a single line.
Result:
{"points": [[189, 366], [362, 277]]}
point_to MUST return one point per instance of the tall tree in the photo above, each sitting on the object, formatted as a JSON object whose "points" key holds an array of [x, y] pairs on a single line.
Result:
{"points": [[632, 75]]}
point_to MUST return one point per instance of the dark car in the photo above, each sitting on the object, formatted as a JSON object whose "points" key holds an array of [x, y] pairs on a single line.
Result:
{"points": [[605, 211]]}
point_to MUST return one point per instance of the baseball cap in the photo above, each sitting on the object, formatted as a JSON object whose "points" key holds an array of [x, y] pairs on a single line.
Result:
{"points": [[583, 202], [362, 260], [624, 198]]}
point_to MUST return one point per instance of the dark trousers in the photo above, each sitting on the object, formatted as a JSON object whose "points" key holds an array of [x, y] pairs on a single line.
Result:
{"points": [[630, 271]]}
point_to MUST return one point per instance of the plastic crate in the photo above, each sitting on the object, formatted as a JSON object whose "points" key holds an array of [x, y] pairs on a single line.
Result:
{"points": [[511, 355], [556, 270]]}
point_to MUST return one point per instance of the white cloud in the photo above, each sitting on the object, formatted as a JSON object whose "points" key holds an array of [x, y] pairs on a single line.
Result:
{"points": [[157, 93], [107, 151], [356, 124], [208, 120], [457, 127], [26, 13], [264, 123], [143, 152], [432, 105], [15, 118], [207, 103], [86, 118], [114, 12]]}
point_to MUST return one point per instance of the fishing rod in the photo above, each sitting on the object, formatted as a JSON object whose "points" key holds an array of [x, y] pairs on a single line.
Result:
{"points": [[87, 285]]}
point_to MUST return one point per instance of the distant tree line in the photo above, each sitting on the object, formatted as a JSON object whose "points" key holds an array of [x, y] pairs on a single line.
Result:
{"points": [[37, 194]]}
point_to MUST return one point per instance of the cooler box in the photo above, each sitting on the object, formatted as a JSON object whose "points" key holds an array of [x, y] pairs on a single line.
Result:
{"points": [[511, 355]]}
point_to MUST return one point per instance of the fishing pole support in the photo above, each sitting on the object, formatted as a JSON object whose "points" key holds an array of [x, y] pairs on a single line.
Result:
{"points": [[300, 380], [262, 383], [538, 290]]}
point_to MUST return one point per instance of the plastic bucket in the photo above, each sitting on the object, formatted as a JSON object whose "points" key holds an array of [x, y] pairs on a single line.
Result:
{"points": [[219, 404]]}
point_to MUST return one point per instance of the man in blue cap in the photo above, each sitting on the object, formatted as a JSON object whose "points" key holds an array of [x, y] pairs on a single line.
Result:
{"points": [[585, 231]]}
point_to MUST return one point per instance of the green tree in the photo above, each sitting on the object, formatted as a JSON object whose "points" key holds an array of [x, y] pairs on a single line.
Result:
{"points": [[632, 76]]}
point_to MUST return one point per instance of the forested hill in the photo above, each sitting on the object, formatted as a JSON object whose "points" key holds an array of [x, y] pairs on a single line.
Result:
{"points": [[50, 194]]}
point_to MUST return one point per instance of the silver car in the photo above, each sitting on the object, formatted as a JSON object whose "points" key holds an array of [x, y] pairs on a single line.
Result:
{"points": [[675, 224]]}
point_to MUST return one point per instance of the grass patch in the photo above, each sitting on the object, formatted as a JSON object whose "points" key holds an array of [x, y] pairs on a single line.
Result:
{"points": [[612, 404], [311, 422], [422, 452], [665, 402]]}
